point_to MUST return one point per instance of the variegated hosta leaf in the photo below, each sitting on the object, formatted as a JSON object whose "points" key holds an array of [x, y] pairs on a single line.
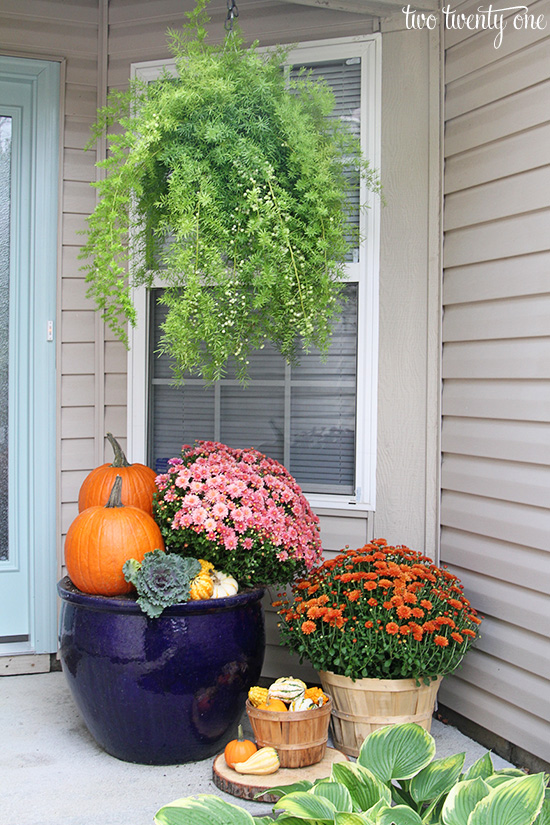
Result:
{"points": [[375, 811], [436, 778], [281, 790], [516, 802], [289, 820], [462, 800], [365, 788], [204, 809], [544, 817], [336, 793], [398, 815], [306, 805], [482, 767], [397, 751], [344, 818], [505, 775], [268, 820]]}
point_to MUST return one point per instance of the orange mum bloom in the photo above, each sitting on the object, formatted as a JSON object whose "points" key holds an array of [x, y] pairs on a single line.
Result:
{"points": [[441, 641], [457, 637], [353, 595], [370, 585], [404, 630], [308, 628], [392, 628], [303, 585], [385, 583], [404, 612], [468, 632], [368, 624], [417, 613], [372, 602]]}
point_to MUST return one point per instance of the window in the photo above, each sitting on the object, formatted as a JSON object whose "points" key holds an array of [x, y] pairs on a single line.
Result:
{"points": [[319, 417]]}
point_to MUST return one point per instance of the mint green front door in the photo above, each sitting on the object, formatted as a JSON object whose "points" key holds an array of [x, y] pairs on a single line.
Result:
{"points": [[29, 141]]}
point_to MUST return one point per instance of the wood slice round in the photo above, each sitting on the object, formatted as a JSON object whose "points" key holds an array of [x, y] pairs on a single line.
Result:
{"points": [[246, 786]]}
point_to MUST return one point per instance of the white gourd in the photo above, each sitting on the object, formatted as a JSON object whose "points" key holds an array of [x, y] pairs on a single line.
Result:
{"points": [[301, 703], [224, 585], [287, 688]]}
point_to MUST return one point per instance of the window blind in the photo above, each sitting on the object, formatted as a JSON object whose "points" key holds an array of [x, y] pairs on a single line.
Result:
{"points": [[343, 76], [303, 416]]}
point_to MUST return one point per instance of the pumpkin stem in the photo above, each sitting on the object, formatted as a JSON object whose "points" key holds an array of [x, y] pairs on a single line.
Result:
{"points": [[120, 459], [240, 734], [114, 498]]}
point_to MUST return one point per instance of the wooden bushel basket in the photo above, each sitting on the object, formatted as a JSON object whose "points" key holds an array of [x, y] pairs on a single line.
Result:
{"points": [[366, 705], [299, 737]]}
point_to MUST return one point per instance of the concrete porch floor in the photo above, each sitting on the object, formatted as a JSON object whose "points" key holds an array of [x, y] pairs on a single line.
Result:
{"points": [[53, 773]]}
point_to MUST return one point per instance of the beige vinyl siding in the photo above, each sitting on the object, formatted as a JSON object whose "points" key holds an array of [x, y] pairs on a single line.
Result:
{"points": [[495, 508]]}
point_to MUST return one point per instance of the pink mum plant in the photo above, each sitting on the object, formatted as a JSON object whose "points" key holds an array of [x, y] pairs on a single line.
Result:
{"points": [[240, 510]]}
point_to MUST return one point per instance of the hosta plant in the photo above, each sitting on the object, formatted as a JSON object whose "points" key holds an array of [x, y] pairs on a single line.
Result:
{"points": [[395, 781], [232, 182]]}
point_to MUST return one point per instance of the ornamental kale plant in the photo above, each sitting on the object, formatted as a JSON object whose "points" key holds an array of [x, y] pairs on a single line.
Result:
{"points": [[160, 580], [239, 510], [380, 612], [229, 180]]}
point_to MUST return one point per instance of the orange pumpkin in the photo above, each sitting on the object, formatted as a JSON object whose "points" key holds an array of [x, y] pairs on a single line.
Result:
{"points": [[239, 749], [101, 539], [138, 482], [273, 704]]}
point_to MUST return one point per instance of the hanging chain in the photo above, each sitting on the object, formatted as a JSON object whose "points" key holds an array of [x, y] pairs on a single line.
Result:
{"points": [[232, 12]]}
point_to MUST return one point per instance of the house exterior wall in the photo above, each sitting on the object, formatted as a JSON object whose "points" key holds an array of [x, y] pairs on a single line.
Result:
{"points": [[409, 73], [99, 41], [495, 509]]}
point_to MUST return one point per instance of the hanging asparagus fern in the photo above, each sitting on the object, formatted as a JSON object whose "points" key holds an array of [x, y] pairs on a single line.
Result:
{"points": [[230, 179]]}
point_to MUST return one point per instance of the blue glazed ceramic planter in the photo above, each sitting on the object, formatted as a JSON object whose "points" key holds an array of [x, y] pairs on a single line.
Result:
{"points": [[161, 691]]}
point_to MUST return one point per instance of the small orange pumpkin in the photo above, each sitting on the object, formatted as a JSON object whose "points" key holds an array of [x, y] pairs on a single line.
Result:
{"points": [[138, 482], [101, 539], [239, 749], [273, 704]]}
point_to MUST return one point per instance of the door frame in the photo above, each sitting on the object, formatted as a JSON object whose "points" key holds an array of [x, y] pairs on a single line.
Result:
{"points": [[35, 359]]}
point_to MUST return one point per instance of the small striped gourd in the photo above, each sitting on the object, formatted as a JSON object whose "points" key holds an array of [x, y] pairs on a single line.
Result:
{"points": [[301, 703], [287, 688]]}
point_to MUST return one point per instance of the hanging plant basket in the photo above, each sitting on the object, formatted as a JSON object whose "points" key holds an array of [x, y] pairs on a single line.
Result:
{"points": [[230, 180]]}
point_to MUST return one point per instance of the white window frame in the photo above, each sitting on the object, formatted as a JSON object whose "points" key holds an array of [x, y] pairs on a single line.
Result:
{"points": [[366, 272]]}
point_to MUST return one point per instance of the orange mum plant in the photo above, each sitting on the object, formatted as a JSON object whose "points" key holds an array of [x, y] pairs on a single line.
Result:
{"points": [[379, 612]]}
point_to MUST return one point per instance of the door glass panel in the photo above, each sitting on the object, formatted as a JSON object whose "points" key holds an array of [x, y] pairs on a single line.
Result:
{"points": [[5, 204]]}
